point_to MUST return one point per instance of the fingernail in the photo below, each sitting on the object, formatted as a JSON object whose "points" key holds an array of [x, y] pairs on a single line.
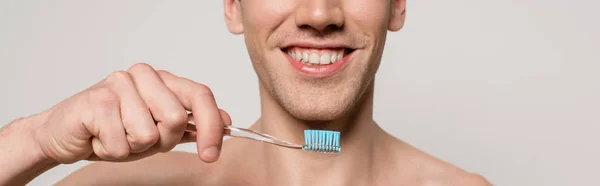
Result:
{"points": [[210, 153]]}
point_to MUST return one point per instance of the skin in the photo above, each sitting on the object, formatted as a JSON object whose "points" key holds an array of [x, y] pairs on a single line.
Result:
{"points": [[130, 121]]}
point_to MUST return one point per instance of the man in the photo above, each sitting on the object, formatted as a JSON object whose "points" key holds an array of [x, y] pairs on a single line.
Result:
{"points": [[316, 61]]}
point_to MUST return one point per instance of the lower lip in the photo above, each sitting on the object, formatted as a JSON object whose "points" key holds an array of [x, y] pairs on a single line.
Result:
{"points": [[318, 71]]}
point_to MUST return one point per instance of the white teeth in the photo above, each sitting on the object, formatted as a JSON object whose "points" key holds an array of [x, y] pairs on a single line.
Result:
{"points": [[297, 56], [334, 58], [325, 59], [304, 57], [314, 59]]}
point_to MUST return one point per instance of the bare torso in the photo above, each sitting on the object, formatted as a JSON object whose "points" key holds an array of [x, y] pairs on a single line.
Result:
{"points": [[395, 163]]}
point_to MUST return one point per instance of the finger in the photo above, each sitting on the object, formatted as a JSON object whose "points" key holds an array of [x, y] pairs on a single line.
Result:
{"points": [[208, 123], [169, 114], [131, 157], [190, 127], [137, 121], [225, 117], [189, 137], [109, 141], [200, 100]]}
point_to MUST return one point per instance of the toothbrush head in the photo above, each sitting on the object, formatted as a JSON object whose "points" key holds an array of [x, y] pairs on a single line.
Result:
{"points": [[322, 141]]}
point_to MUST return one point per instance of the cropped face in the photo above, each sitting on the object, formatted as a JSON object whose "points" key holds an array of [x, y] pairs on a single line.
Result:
{"points": [[316, 58]]}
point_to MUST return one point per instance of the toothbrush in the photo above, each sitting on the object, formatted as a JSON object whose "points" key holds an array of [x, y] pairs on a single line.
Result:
{"points": [[322, 141]]}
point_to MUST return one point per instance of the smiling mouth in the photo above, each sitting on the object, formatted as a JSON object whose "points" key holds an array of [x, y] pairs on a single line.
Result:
{"points": [[317, 57]]}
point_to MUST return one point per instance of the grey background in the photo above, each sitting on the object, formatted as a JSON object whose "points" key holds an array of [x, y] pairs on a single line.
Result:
{"points": [[508, 89]]}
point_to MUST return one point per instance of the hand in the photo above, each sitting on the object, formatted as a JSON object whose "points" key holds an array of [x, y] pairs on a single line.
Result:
{"points": [[131, 115]]}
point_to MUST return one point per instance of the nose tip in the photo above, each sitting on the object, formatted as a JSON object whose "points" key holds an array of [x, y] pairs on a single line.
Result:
{"points": [[321, 15]]}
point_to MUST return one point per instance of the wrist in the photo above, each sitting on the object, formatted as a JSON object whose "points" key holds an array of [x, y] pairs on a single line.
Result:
{"points": [[26, 132], [34, 130], [23, 158]]}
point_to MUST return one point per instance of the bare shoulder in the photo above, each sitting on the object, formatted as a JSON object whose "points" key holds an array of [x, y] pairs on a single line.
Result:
{"points": [[465, 179], [172, 168], [441, 173], [419, 168], [473, 180], [454, 179]]}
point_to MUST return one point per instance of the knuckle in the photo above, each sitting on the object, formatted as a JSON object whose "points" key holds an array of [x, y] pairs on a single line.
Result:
{"points": [[146, 139], [118, 77], [176, 118], [203, 90], [114, 154], [141, 68], [118, 154]]}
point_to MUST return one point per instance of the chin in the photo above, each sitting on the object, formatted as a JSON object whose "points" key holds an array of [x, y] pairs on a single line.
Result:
{"points": [[324, 114], [326, 108]]}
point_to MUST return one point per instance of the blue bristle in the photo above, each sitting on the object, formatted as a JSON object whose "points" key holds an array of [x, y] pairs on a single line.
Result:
{"points": [[305, 138], [326, 141], [337, 141], [316, 139], [322, 141], [317, 134], [329, 140], [335, 136]]}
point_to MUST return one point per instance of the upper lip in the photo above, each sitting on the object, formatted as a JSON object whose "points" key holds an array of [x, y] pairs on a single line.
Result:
{"points": [[318, 45]]}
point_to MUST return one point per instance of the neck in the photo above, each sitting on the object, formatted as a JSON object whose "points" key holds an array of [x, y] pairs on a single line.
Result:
{"points": [[289, 166]]}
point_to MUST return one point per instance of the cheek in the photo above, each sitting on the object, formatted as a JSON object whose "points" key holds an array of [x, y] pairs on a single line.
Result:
{"points": [[368, 15], [371, 18], [262, 17]]}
